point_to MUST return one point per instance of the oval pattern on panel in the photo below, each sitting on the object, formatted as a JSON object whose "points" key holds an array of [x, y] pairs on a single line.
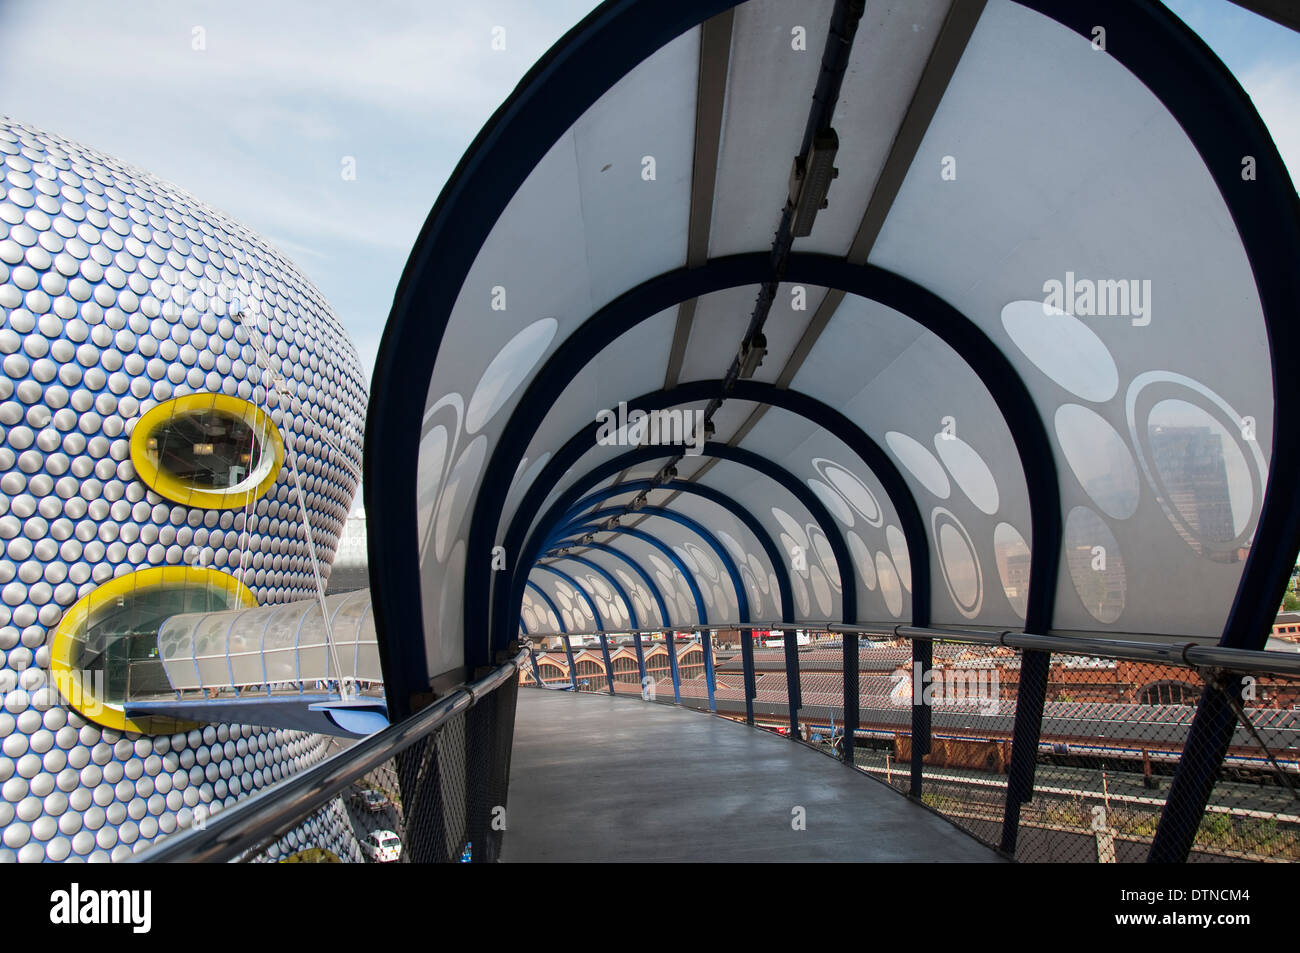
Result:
{"points": [[832, 501], [855, 492], [890, 587], [1100, 460], [898, 550], [958, 562], [507, 371], [1202, 461], [862, 560], [1064, 348], [920, 462], [1012, 555], [969, 471]]}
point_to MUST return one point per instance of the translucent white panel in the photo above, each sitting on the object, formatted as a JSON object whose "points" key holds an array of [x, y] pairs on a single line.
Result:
{"points": [[1214, 459], [1063, 348], [537, 615], [706, 568], [920, 462], [348, 614], [769, 89], [353, 627], [840, 480], [611, 605], [928, 411], [563, 599], [890, 50], [902, 558], [1100, 460], [789, 524], [367, 658], [1012, 555], [720, 322], [668, 579], [635, 149], [606, 450], [958, 562], [246, 668], [313, 656], [969, 471], [1105, 276], [210, 650], [1096, 565], [632, 365], [891, 589], [1203, 464], [594, 604], [454, 500], [642, 599], [273, 644], [175, 648], [605, 209], [743, 547], [279, 633]]}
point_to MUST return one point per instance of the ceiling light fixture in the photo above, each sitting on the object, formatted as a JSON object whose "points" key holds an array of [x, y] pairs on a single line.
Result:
{"points": [[810, 180], [752, 354]]}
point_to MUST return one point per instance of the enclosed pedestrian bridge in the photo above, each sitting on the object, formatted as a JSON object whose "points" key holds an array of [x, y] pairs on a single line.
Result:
{"points": [[974, 318], [142, 651]]}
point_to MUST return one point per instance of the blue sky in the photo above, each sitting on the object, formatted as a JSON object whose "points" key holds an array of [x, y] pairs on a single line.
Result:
{"points": [[1265, 58], [259, 121]]}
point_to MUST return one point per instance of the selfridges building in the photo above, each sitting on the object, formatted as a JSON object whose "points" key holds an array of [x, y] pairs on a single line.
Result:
{"points": [[180, 419]]}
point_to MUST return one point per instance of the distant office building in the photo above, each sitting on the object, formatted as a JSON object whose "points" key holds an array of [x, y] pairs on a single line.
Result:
{"points": [[1190, 461], [180, 408]]}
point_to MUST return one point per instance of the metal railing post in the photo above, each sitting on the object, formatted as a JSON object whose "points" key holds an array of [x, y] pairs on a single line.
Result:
{"points": [[573, 668], [793, 685], [1031, 696], [1193, 782], [706, 643], [922, 662], [670, 640], [640, 659], [609, 666], [850, 650], [257, 821], [747, 662]]}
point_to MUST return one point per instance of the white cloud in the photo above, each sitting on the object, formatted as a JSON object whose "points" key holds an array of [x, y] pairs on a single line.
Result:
{"points": [[258, 123]]}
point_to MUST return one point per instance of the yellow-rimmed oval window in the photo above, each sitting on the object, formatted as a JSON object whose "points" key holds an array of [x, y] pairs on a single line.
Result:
{"points": [[105, 649], [210, 451]]}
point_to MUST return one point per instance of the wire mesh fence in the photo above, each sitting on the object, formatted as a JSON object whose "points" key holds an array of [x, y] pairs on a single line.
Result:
{"points": [[1112, 735], [441, 800], [431, 789]]}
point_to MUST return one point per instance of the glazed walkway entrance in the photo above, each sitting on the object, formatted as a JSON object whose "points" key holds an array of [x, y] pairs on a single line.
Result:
{"points": [[600, 778]]}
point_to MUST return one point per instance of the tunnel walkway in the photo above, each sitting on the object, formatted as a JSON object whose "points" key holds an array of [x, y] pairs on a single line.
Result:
{"points": [[600, 778]]}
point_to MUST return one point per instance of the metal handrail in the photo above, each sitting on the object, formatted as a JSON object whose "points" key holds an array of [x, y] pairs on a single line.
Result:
{"points": [[272, 812], [1135, 649], [1192, 654]]}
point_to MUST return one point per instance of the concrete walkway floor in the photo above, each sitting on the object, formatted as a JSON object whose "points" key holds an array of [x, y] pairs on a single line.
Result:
{"points": [[600, 778]]}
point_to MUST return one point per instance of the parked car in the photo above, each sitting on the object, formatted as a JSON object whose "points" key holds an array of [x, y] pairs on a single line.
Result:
{"points": [[382, 847], [370, 800]]}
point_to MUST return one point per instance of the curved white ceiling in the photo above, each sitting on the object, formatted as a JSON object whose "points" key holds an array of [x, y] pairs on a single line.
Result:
{"points": [[1048, 204]]}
